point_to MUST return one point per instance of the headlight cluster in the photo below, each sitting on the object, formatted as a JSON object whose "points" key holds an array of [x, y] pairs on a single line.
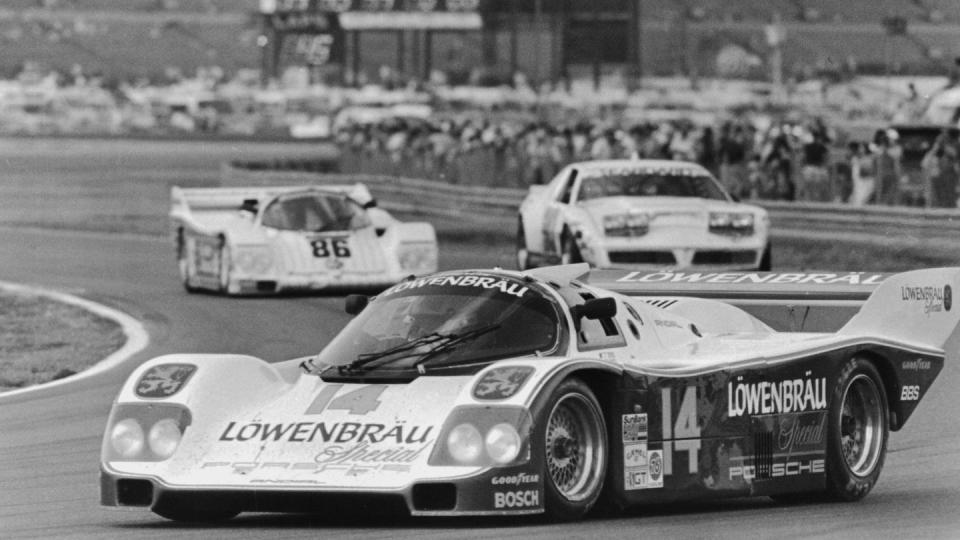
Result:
{"points": [[417, 258], [252, 260], [484, 436], [731, 223], [140, 432], [630, 224]]}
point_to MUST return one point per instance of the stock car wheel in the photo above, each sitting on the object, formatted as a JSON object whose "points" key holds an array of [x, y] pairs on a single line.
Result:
{"points": [[183, 264], [858, 430], [570, 253], [573, 439], [523, 254]]}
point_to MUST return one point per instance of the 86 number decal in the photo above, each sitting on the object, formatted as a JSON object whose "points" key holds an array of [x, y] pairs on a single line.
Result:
{"points": [[337, 247]]}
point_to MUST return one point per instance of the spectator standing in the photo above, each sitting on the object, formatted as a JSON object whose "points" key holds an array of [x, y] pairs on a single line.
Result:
{"points": [[941, 169], [861, 174], [887, 157], [815, 181], [707, 150], [733, 155]]}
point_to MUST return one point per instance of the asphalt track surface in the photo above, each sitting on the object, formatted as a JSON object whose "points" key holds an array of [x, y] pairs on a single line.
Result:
{"points": [[50, 439]]}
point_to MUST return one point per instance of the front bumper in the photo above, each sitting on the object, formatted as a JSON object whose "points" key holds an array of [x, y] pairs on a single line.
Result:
{"points": [[719, 253], [511, 491]]}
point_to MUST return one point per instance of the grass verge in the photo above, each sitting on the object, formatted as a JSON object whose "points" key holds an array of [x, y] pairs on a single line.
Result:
{"points": [[44, 340]]}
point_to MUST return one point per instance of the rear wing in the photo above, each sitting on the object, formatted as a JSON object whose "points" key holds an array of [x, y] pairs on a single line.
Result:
{"points": [[786, 301], [232, 198]]}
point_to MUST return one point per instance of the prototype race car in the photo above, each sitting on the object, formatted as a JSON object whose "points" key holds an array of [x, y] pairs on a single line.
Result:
{"points": [[500, 392], [267, 240], [642, 214]]}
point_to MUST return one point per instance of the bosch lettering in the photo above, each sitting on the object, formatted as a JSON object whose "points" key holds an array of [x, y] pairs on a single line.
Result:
{"points": [[516, 499], [796, 395]]}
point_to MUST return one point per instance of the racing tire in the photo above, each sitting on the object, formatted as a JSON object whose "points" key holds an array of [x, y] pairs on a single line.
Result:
{"points": [[225, 264], [858, 429], [766, 260], [569, 251], [573, 440], [183, 265], [523, 254], [188, 511]]}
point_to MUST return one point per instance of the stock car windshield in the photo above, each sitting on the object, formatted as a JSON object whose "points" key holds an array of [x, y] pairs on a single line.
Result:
{"points": [[447, 321], [314, 212], [650, 185]]}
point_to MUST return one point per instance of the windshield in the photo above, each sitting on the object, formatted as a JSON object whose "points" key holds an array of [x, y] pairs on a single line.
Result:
{"points": [[314, 212], [445, 321], [650, 185]]}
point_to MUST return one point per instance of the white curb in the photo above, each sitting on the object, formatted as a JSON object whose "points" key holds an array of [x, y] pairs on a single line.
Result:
{"points": [[136, 334]]}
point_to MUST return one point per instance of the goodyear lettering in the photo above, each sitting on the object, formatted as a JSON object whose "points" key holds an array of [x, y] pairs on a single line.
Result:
{"points": [[853, 278], [516, 499], [515, 480], [796, 395], [917, 365], [339, 432], [506, 287]]}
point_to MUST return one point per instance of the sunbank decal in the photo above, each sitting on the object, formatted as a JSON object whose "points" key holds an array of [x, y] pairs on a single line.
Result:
{"points": [[787, 396]]}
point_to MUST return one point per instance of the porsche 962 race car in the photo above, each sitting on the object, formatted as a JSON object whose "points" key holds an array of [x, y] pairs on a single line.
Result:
{"points": [[266, 240], [641, 214], [503, 392]]}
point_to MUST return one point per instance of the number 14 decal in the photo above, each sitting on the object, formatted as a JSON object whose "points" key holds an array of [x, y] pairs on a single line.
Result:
{"points": [[684, 433], [360, 401]]}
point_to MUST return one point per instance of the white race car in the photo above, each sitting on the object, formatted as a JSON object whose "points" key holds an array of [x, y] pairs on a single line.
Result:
{"points": [[267, 240], [644, 214]]}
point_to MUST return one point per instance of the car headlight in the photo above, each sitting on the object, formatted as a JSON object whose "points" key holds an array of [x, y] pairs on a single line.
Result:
{"points": [[164, 438], [252, 260], [629, 224], [484, 436], [126, 438], [144, 431], [731, 223], [417, 258], [502, 443], [465, 443]]}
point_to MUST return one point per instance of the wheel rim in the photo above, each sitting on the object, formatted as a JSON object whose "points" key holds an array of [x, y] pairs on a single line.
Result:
{"points": [[861, 425], [574, 447]]}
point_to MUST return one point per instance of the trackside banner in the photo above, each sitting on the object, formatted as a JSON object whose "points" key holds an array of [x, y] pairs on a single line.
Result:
{"points": [[784, 286]]}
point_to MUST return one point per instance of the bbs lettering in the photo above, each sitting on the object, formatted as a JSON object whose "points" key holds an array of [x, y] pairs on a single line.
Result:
{"points": [[516, 499]]}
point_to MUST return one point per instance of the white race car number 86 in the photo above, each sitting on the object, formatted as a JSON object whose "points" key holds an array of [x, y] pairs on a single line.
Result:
{"points": [[338, 247]]}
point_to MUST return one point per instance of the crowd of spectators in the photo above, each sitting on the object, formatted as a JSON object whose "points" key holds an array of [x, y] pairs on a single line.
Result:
{"points": [[753, 158]]}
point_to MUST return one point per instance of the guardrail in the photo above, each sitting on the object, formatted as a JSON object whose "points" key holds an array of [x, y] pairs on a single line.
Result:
{"points": [[894, 226]]}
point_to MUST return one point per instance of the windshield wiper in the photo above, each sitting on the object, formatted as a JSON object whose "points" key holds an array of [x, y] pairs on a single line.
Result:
{"points": [[364, 360], [453, 341]]}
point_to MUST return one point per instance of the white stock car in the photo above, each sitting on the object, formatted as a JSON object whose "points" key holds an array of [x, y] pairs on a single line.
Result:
{"points": [[265, 240], [641, 214]]}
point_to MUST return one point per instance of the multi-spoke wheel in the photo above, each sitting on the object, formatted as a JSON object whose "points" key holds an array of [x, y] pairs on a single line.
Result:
{"points": [[859, 426], [574, 445]]}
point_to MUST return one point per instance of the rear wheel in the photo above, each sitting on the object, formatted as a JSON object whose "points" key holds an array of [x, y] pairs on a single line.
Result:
{"points": [[573, 440], [523, 254], [858, 431]]}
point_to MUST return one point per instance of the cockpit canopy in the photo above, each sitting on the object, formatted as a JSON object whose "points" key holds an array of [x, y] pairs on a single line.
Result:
{"points": [[448, 321], [314, 211]]}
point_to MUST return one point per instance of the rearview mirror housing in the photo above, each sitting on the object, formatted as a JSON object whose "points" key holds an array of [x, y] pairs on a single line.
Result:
{"points": [[595, 308], [355, 303]]}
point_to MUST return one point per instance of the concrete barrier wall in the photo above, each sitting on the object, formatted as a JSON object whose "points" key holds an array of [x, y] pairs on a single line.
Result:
{"points": [[884, 225]]}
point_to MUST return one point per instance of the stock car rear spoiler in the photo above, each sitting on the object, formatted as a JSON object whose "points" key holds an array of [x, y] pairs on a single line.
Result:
{"points": [[787, 301]]}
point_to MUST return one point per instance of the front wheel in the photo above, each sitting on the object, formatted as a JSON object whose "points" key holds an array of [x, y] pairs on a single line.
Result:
{"points": [[573, 440], [570, 252], [523, 254], [858, 431]]}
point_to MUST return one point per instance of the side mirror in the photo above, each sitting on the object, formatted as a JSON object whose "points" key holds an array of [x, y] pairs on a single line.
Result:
{"points": [[372, 203], [355, 303], [595, 308]]}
